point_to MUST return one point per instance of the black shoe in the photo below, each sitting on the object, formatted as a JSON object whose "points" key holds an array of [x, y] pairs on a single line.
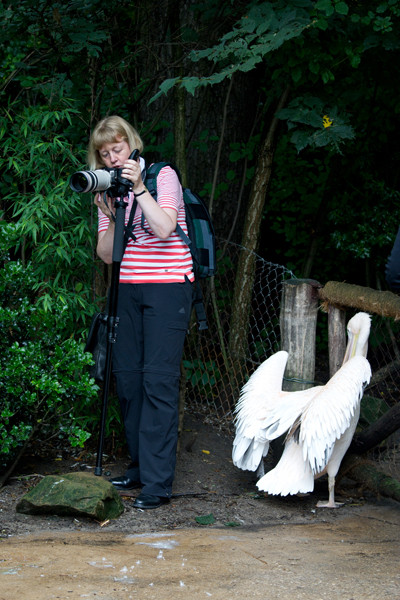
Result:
{"points": [[145, 501], [124, 483]]}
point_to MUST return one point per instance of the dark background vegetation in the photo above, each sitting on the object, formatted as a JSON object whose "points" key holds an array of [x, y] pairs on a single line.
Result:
{"points": [[314, 186]]}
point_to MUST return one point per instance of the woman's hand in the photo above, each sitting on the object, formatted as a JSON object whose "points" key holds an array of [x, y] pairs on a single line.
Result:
{"points": [[132, 172], [107, 208]]}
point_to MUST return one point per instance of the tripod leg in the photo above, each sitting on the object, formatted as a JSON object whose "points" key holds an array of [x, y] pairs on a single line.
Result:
{"points": [[112, 322]]}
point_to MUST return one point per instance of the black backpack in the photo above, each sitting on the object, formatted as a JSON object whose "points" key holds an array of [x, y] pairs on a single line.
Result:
{"points": [[201, 235]]}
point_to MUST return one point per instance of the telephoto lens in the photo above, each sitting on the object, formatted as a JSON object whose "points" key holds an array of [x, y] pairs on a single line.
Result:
{"points": [[90, 181]]}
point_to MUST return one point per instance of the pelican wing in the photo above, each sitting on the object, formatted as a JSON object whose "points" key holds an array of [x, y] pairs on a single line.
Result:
{"points": [[257, 397], [264, 412], [260, 394], [331, 411]]}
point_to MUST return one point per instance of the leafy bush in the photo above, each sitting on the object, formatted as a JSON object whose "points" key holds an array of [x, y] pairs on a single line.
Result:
{"points": [[55, 227], [45, 388]]}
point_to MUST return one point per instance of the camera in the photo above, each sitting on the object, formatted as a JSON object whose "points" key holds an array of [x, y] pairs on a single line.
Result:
{"points": [[101, 180]]}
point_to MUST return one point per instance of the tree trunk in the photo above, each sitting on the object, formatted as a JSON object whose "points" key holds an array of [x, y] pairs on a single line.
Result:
{"points": [[368, 476], [179, 150], [5, 476], [174, 10], [365, 472], [336, 338], [342, 295], [298, 322], [377, 432], [239, 324], [179, 132]]}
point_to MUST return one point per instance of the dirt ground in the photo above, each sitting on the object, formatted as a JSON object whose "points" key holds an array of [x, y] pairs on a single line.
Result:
{"points": [[217, 538]]}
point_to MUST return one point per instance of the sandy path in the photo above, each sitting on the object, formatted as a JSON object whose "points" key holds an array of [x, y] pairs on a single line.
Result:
{"points": [[351, 559]]}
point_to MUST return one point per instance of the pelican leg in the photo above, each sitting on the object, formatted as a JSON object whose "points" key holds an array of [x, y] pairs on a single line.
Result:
{"points": [[331, 502], [260, 470]]}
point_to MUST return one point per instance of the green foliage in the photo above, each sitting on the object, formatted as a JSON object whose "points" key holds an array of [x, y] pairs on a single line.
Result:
{"points": [[268, 26], [226, 270], [202, 375], [265, 28], [53, 225], [371, 410], [329, 7], [70, 45], [44, 385], [364, 237], [205, 519], [266, 342], [294, 198], [165, 149], [313, 124], [355, 221]]}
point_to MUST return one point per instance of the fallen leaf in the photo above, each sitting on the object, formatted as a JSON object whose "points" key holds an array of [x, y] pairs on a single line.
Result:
{"points": [[205, 519]]}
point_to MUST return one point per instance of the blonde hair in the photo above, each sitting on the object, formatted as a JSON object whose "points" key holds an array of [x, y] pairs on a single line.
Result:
{"points": [[109, 130]]}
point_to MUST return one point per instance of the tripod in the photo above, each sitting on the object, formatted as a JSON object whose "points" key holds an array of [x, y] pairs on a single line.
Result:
{"points": [[112, 320]]}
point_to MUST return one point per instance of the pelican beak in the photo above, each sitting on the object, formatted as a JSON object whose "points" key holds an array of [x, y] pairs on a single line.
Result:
{"points": [[351, 347]]}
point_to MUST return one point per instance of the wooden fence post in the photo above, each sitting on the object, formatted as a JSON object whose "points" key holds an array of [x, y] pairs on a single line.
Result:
{"points": [[298, 322], [336, 337]]}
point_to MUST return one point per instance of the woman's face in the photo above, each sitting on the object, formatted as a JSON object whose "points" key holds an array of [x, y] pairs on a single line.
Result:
{"points": [[115, 154]]}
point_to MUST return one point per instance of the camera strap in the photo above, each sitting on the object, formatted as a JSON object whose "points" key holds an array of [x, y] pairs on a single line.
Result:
{"points": [[129, 227]]}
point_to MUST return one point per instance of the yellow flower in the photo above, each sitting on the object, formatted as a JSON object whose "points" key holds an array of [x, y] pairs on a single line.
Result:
{"points": [[326, 121]]}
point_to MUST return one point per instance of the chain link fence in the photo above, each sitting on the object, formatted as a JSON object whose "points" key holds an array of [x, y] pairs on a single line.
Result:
{"points": [[213, 381], [384, 357], [383, 391]]}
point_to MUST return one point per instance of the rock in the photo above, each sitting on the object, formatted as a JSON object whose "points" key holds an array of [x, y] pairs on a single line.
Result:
{"points": [[78, 494]]}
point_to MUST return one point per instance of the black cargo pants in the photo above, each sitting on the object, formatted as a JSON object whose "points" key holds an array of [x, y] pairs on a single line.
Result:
{"points": [[154, 319]]}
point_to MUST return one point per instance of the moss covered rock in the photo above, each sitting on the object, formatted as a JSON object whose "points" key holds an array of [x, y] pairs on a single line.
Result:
{"points": [[78, 494]]}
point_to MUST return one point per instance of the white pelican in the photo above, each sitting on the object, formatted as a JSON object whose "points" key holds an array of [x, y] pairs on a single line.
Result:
{"points": [[320, 422]]}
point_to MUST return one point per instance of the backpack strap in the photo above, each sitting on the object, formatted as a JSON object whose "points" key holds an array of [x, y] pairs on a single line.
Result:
{"points": [[151, 184], [198, 306]]}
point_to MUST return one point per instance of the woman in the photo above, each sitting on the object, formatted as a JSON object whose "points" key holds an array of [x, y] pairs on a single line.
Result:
{"points": [[154, 306]]}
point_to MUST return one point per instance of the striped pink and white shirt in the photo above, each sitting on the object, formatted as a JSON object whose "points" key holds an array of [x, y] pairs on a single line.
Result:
{"points": [[149, 259]]}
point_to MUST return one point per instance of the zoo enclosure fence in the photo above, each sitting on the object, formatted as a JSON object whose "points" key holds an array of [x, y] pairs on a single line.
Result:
{"points": [[213, 381]]}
